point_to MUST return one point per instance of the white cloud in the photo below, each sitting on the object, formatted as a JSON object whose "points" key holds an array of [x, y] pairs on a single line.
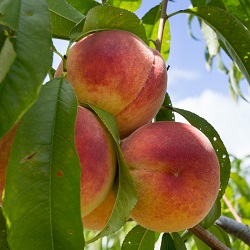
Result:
{"points": [[230, 119], [182, 75]]}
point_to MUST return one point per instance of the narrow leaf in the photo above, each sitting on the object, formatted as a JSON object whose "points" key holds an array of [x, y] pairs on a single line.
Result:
{"points": [[221, 235], [42, 194], [239, 51], [139, 238], [165, 114], [21, 86], [97, 20], [213, 136], [151, 22], [167, 243], [3, 232], [63, 18], [126, 196], [211, 39], [7, 57], [179, 243], [213, 215]]}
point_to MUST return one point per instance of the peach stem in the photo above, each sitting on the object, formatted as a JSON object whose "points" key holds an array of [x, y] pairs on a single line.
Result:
{"points": [[161, 25]]}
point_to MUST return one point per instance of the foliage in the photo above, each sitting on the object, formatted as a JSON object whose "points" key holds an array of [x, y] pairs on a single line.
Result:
{"points": [[41, 204]]}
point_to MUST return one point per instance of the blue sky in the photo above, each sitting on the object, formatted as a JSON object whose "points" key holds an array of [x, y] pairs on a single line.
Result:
{"points": [[192, 87]]}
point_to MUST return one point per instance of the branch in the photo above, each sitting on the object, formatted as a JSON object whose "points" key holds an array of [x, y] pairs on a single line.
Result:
{"points": [[161, 25], [239, 230], [208, 238], [232, 210]]}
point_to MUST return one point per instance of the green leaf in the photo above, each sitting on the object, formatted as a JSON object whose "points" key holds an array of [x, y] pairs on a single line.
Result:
{"points": [[3, 234], [21, 86], [139, 238], [240, 9], [151, 22], [96, 20], [165, 114], [200, 244], [83, 6], [235, 76], [126, 196], [42, 194], [242, 185], [208, 130], [211, 39], [197, 3], [190, 32], [63, 18], [213, 215], [9, 11], [131, 5], [220, 235], [239, 51], [167, 243], [7, 57], [179, 243]]}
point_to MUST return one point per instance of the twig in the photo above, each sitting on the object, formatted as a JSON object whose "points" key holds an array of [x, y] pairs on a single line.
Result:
{"points": [[232, 210], [239, 230], [208, 238], [161, 24]]}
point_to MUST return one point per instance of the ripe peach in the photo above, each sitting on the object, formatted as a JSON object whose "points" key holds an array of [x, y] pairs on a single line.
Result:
{"points": [[5, 149], [97, 219], [117, 72], [176, 173], [96, 154], [97, 158]]}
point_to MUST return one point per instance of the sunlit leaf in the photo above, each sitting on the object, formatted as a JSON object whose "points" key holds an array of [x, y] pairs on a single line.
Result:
{"points": [[239, 51], [151, 22], [32, 45], [131, 5], [42, 194], [97, 20], [239, 8], [242, 185], [126, 196], [235, 76], [211, 39], [139, 238]]}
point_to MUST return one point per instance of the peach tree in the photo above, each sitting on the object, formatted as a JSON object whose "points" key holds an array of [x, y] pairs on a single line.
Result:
{"points": [[40, 163]]}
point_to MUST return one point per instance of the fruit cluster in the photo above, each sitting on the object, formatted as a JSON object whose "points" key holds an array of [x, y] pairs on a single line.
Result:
{"points": [[173, 165]]}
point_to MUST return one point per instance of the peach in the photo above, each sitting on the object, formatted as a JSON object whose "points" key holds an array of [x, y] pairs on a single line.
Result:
{"points": [[97, 219], [176, 173], [97, 156], [5, 149], [117, 72]]}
